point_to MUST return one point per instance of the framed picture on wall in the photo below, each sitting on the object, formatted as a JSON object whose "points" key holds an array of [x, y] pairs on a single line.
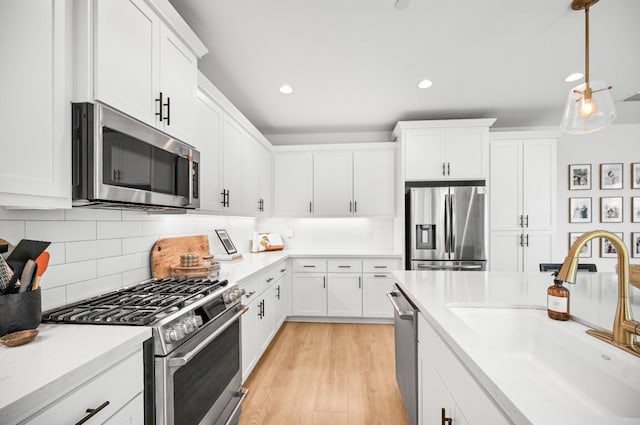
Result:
{"points": [[579, 176], [635, 175], [635, 209], [635, 245], [611, 176], [585, 252], [607, 250], [579, 210], [611, 209]]}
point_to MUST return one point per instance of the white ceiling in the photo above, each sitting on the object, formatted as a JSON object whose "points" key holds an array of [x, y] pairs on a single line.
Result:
{"points": [[355, 64]]}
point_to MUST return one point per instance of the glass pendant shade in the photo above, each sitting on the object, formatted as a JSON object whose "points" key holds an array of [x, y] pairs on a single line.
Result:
{"points": [[588, 110]]}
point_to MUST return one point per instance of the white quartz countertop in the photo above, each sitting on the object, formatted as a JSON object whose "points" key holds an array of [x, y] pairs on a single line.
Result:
{"points": [[59, 359], [593, 303], [253, 263]]}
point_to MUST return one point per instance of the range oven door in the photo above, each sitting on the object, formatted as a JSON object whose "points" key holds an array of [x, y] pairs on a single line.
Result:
{"points": [[200, 383]]}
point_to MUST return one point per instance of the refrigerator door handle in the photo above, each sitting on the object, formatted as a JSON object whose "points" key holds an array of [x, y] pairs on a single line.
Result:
{"points": [[447, 231], [452, 239]]}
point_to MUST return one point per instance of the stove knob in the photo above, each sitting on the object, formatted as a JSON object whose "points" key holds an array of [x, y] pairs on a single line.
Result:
{"points": [[175, 333], [198, 321], [188, 325]]}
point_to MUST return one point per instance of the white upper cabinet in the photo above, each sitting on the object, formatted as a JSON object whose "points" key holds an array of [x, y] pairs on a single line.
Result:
{"points": [[444, 149], [293, 181], [178, 85], [257, 180], [209, 118], [232, 178], [35, 164], [125, 56], [336, 183], [374, 182], [139, 64], [332, 183]]}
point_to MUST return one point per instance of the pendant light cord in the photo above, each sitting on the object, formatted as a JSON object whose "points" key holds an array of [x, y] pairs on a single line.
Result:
{"points": [[586, 46]]}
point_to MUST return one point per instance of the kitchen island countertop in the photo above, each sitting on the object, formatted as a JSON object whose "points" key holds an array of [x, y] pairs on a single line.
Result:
{"points": [[593, 303]]}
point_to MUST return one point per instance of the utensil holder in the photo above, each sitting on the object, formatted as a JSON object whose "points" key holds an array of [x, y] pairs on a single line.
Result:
{"points": [[19, 312]]}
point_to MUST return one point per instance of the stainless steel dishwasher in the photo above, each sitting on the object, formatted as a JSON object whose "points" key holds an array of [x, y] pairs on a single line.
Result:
{"points": [[405, 326]]}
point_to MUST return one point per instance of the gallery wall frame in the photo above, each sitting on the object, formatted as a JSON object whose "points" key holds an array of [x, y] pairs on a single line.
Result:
{"points": [[635, 175], [611, 209], [611, 176], [580, 177], [586, 251], [607, 250], [580, 210]]}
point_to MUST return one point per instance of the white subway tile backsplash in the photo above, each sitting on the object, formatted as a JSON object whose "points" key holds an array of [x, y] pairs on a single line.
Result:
{"points": [[58, 253], [119, 229], [54, 297], [113, 265], [93, 287], [143, 244], [61, 231], [64, 274], [31, 215], [12, 231], [89, 250], [135, 276], [92, 214]]}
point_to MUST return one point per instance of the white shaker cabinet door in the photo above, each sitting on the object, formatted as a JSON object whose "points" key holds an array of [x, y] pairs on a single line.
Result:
{"points": [[506, 251], [465, 149], [505, 184], [539, 184], [35, 161], [374, 182], [333, 183], [424, 154], [374, 296], [293, 181], [251, 340], [178, 84], [344, 294], [252, 176], [538, 248], [310, 294], [232, 179], [209, 142], [126, 58]]}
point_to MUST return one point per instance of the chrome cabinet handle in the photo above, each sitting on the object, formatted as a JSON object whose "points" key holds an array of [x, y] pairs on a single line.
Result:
{"points": [[526, 220], [443, 169], [380, 275], [355, 206], [404, 315], [309, 266], [283, 270], [448, 168], [159, 114], [310, 210], [359, 282], [350, 209], [379, 267], [324, 282], [269, 280], [168, 105], [92, 413], [250, 294], [344, 267]]}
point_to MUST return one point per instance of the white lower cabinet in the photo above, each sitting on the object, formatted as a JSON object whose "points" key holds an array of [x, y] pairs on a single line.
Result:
{"points": [[267, 295], [344, 294], [445, 383], [309, 294], [516, 251], [374, 295], [117, 392]]}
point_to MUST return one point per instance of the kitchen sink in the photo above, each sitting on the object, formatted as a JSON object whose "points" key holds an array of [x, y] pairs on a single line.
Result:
{"points": [[559, 357]]}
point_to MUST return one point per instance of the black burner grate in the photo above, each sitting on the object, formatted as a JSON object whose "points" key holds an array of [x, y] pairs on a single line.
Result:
{"points": [[139, 305]]}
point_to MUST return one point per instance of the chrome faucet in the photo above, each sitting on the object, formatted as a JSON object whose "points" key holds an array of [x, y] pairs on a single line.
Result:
{"points": [[625, 328]]}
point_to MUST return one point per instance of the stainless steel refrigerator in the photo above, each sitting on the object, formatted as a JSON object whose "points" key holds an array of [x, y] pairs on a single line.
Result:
{"points": [[446, 227]]}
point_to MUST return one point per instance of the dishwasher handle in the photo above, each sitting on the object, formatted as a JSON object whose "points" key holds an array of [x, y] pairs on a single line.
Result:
{"points": [[404, 315]]}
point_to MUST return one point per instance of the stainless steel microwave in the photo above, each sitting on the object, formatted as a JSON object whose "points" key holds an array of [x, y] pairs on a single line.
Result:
{"points": [[119, 162]]}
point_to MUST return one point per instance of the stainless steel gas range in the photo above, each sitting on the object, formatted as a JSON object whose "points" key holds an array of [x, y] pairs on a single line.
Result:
{"points": [[193, 368]]}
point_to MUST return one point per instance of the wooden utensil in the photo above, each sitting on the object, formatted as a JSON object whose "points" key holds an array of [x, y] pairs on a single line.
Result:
{"points": [[166, 253], [19, 338], [43, 262]]}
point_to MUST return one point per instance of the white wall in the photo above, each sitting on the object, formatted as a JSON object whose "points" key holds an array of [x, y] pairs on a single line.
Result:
{"points": [[616, 143], [95, 251]]}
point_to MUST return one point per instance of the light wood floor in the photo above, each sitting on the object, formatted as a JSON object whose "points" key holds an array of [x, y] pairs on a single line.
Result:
{"points": [[326, 374]]}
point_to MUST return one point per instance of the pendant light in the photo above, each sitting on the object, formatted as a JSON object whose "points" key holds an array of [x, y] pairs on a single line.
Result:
{"points": [[589, 105]]}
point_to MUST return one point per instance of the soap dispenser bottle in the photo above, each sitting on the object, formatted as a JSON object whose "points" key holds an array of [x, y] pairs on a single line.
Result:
{"points": [[558, 301]]}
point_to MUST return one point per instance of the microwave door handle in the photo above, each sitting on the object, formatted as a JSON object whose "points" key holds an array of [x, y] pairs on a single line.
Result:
{"points": [[178, 362], [190, 178]]}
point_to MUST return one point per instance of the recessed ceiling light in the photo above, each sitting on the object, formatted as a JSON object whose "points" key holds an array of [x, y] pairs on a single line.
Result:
{"points": [[286, 89], [574, 77], [425, 84], [401, 4]]}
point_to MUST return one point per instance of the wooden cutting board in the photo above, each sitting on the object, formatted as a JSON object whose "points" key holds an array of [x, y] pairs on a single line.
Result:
{"points": [[166, 252]]}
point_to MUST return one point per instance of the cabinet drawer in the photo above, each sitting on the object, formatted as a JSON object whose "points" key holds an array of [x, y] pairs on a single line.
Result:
{"points": [[382, 265], [117, 385], [311, 265], [476, 405], [253, 288], [344, 266]]}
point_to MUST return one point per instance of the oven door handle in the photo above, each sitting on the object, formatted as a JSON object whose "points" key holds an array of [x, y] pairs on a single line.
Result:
{"points": [[177, 362], [243, 394]]}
